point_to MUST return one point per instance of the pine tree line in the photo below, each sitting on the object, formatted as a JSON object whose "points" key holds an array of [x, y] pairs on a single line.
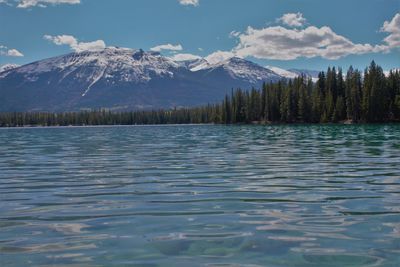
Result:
{"points": [[358, 97]]}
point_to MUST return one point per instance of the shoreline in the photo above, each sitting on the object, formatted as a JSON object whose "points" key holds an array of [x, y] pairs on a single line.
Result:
{"points": [[255, 123]]}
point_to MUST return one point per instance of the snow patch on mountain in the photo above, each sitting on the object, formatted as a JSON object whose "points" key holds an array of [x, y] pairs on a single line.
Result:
{"points": [[239, 68], [7, 67], [282, 72], [293, 73], [95, 80], [192, 64]]}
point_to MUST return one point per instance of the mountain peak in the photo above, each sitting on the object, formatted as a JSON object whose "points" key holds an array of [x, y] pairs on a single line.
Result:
{"points": [[138, 55], [236, 60], [240, 68]]}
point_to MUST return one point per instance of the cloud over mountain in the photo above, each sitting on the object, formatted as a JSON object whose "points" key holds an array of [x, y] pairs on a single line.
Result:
{"points": [[170, 47], [73, 43], [184, 57], [219, 56]]}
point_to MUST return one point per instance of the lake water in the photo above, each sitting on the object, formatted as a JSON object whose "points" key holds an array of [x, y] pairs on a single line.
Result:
{"points": [[200, 196]]}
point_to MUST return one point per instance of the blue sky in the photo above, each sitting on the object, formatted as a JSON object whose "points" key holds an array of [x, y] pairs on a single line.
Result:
{"points": [[311, 34]]}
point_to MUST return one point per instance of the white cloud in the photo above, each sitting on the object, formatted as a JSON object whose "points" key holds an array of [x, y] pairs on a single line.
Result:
{"points": [[219, 56], [170, 47], [90, 46], [184, 57], [44, 3], [282, 43], [189, 2], [14, 53], [5, 51], [73, 43], [393, 28], [292, 19], [287, 43], [62, 39]]}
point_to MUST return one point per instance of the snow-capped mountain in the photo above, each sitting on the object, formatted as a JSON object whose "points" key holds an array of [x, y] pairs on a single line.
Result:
{"points": [[282, 72], [8, 67], [193, 64], [293, 73], [111, 64], [241, 69], [123, 79]]}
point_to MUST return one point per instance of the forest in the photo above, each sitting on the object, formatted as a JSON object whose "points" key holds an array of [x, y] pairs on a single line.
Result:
{"points": [[353, 97]]}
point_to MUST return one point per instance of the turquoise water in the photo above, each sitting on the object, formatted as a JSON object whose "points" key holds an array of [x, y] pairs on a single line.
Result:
{"points": [[200, 196]]}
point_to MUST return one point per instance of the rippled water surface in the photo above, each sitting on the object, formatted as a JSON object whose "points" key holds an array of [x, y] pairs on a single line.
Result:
{"points": [[200, 196]]}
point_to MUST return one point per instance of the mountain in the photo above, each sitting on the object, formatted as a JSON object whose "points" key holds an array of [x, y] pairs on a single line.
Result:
{"points": [[124, 79], [238, 69], [193, 64], [313, 74], [282, 72], [8, 67], [293, 73], [112, 78]]}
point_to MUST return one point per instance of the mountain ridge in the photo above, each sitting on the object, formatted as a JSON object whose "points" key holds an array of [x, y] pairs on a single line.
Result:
{"points": [[124, 79]]}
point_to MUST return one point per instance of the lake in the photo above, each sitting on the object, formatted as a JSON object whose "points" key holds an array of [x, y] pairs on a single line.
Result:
{"points": [[280, 195]]}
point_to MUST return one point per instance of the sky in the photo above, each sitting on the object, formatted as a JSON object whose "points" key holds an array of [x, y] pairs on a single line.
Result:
{"points": [[303, 34]]}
